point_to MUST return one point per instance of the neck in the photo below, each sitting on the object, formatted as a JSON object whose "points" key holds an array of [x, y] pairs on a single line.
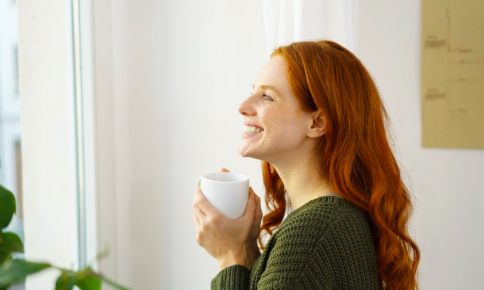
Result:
{"points": [[302, 181]]}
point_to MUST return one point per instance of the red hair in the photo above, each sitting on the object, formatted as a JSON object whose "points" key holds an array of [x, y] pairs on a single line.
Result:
{"points": [[354, 155]]}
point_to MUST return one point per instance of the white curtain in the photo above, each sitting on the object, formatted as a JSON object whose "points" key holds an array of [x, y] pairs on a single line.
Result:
{"points": [[287, 21]]}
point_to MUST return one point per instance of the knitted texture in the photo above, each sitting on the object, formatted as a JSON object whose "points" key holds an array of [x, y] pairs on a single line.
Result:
{"points": [[324, 244]]}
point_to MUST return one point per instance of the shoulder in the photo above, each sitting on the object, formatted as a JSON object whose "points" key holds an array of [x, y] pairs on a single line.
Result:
{"points": [[301, 231], [326, 239], [322, 225], [291, 246], [316, 218], [303, 237], [341, 220]]}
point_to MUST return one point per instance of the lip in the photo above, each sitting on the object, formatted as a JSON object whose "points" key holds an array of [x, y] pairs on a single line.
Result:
{"points": [[248, 135], [253, 125]]}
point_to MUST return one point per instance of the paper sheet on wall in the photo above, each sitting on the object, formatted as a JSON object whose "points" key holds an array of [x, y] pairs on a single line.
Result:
{"points": [[453, 73]]}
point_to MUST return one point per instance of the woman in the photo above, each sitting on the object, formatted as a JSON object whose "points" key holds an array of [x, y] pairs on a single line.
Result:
{"points": [[322, 141]]}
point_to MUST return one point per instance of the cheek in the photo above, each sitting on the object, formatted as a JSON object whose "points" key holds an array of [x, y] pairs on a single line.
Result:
{"points": [[281, 126], [284, 131]]}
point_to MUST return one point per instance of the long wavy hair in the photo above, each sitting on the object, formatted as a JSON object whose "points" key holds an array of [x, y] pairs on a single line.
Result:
{"points": [[354, 155]]}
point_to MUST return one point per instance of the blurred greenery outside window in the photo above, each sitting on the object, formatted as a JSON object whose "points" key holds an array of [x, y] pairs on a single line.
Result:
{"points": [[10, 143]]}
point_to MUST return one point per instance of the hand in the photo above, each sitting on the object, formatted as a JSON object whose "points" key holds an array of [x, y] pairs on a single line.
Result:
{"points": [[255, 228], [222, 237]]}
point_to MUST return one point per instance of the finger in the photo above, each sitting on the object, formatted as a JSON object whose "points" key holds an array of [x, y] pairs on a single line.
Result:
{"points": [[252, 192], [256, 202], [197, 189], [257, 198], [224, 169], [196, 221], [196, 199], [204, 205], [249, 212], [258, 207], [195, 195], [199, 214]]}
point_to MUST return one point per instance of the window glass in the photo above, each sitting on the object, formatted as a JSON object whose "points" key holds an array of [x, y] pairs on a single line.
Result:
{"points": [[10, 142]]}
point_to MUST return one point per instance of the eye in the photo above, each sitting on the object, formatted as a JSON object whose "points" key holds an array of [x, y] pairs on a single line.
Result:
{"points": [[265, 95]]}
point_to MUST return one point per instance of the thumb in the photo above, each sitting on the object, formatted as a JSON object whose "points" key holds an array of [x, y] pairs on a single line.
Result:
{"points": [[251, 203], [224, 170]]}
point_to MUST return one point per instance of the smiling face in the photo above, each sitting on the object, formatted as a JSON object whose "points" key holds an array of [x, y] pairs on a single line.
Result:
{"points": [[277, 111]]}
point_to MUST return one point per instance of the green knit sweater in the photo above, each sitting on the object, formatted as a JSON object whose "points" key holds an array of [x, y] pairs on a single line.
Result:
{"points": [[324, 244]]}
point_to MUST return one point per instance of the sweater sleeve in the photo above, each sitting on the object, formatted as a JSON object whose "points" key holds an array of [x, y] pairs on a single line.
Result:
{"points": [[235, 277]]}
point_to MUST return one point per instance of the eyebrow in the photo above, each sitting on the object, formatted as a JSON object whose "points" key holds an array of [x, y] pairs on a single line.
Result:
{"points": [[268, 87]]}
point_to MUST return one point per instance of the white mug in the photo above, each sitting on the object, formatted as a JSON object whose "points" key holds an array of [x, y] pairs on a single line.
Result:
{"points": [[227, 192]]}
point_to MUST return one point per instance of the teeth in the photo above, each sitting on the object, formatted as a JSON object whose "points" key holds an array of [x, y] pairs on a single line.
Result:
{"points": [[252, 130]]}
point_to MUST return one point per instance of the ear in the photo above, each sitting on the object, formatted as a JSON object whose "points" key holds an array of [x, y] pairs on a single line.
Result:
{"points": [[318, 127]]}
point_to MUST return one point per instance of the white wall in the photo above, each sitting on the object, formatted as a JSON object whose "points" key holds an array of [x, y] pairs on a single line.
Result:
{"points": [[168, 113], [448, 183]]}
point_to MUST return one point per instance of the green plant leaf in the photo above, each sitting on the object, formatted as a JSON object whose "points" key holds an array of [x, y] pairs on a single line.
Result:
{"points": [[11, 243], [3, 257], [89, 283], [85, 280], [66, 281], [15, 271], [7, 207]]}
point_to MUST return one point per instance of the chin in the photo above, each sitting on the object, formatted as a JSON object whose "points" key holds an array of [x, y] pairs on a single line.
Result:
{"points": [[245, 154], [240, 153]]}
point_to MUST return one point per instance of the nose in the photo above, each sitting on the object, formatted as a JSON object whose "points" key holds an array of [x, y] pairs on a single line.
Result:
{"points": [[246, 108]]}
